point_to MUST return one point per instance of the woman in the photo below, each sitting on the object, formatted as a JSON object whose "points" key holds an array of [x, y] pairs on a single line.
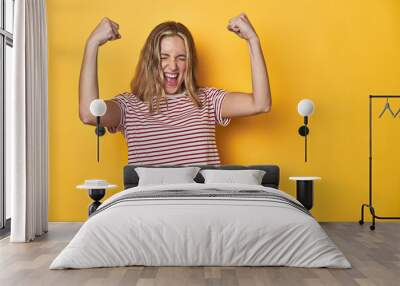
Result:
{"points": [[167, 119]]}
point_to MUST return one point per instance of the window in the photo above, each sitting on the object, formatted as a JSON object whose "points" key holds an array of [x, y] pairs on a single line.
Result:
{"points": [[6, 61]]}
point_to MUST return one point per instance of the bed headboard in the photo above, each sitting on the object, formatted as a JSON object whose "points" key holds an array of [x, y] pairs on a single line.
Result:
{"points": [[270, 179]]}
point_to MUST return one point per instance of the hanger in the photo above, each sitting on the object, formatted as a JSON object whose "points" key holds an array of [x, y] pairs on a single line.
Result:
{"points": [[387, 107], [397, 112]]}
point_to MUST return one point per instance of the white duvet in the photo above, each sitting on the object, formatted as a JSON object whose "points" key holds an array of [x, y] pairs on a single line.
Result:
{"points": [[200, 231]]}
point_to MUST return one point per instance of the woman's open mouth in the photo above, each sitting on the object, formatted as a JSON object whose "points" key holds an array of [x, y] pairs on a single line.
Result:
{"points": [[171, 79]]}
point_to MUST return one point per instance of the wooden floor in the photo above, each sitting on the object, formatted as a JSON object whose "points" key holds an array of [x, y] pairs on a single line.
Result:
{"points": [[375, 257]]}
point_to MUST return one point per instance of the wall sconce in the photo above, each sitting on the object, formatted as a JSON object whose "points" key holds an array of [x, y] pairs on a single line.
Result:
{"points": [[305, 108], [98, 108]]}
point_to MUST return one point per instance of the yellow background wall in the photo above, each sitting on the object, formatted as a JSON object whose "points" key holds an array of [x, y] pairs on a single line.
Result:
{"points": [[333, 52]]}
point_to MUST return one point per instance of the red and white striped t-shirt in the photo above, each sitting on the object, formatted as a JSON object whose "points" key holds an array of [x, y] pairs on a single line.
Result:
{"points": [[182, 135]]}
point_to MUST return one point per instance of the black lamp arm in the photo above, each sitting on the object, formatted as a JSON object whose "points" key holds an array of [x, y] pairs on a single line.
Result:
{"points": [[100, 130], [303, 130]]}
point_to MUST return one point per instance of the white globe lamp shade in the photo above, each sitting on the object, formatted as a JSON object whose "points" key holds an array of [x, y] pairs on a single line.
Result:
{"points": [[98, 107], [305, 107]]}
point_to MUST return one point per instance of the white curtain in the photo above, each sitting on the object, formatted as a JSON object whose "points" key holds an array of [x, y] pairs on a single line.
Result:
{"points": [[26, 123]]}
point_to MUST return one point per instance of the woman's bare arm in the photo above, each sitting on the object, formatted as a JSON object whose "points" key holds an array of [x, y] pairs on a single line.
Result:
{"points": [[105, 31], [245, 104]]}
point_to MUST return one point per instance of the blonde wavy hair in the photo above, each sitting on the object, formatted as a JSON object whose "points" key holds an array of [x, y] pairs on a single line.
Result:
{"points": [[147, 82]]}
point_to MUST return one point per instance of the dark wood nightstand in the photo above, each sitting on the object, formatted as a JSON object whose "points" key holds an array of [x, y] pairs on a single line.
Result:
{"points": [[305, 190]]}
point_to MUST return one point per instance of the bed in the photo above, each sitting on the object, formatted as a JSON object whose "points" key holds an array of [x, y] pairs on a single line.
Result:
{"points": [[201, 224]]}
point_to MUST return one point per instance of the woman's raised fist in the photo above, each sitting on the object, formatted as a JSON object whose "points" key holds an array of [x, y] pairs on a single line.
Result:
{"points": [[106, 30], [241, 26]]}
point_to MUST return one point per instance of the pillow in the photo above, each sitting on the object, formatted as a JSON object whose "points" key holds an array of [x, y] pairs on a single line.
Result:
{"points": [[248, 177], [163, 176]]}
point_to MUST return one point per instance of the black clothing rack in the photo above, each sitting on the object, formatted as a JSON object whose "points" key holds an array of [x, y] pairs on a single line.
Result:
{"points": [[370, 206]]}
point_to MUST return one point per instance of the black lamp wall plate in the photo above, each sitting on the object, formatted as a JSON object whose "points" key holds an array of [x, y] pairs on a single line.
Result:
{"points": [[303, 130], [100, 131]]}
